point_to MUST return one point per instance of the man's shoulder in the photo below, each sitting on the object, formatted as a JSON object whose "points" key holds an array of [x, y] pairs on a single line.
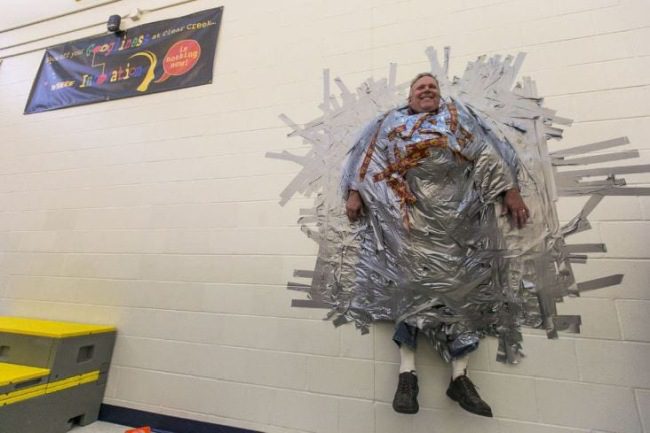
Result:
{"points": [[397, 111], [386, 116], [460, 106]]}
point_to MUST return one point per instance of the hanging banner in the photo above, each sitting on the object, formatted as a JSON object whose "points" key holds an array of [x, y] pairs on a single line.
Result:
{"points": [[150, 58]]}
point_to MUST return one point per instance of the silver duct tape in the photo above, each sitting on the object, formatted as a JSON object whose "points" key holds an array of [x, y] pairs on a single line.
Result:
{"points": [[586, 248], [445, 67], [287, 157], [552, 132], [308, 219], [502, 278], [628, 191], [599, 283], [606, 190], [299, 287], [562, 121], [291, 124], [596, 159], [325, 106], [574, 176], [590, 205], [509, 349], [392, 75], [578, 258], [580, 222], [309, 303], [346, 95], [567, 323], [594, 189], [592, 147], [611, 181]]}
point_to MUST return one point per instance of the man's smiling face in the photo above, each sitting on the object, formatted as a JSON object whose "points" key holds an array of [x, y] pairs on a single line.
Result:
{"points": [[424, 96]]}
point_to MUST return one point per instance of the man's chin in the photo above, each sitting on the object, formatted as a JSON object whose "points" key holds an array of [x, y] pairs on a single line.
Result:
{"points": [[430, 108]]}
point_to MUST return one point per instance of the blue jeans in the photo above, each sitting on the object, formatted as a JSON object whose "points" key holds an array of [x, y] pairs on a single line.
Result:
{"points": [[459, 346], [406, 334]]}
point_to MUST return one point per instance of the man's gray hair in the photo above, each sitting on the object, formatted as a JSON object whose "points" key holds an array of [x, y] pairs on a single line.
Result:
{"points": [[423, 74]]}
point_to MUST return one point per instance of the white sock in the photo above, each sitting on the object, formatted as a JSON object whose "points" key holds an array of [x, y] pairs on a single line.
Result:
{"points": [[406, 359], [458, 366]]}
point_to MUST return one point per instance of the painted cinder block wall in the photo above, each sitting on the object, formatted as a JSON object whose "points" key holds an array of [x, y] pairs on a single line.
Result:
{"points": [[160, 214]]}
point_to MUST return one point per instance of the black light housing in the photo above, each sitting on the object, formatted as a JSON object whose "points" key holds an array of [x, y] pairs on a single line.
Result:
{"points": [[113, 23]]}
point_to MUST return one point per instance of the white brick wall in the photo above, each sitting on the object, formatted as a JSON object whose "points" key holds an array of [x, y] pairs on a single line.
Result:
{"points": [[160, 214]]}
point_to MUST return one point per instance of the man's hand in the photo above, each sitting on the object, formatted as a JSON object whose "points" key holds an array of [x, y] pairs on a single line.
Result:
{"points": [[353, 205], [514, 205]]}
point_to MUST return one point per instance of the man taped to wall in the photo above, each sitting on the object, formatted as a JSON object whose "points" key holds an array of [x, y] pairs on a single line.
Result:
{"points": [[452, 198]]}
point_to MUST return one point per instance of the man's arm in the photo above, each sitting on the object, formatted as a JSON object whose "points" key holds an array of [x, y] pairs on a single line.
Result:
{"points": [[494, 177], [351, 183], [513, 205]]}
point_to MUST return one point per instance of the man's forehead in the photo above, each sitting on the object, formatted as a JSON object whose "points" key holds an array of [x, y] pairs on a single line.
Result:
{"points": [[420, 77], [424, 77]]}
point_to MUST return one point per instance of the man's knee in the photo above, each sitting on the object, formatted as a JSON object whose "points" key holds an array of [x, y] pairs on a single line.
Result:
{"points": [[463, 344], [406, 334]]}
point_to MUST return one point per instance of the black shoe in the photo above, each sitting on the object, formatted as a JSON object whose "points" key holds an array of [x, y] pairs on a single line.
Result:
{"points": [[406, 395], [464, 392]]}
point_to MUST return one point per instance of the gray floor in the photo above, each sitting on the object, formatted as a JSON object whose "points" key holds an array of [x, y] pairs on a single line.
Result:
{"points": [[100, 427]]}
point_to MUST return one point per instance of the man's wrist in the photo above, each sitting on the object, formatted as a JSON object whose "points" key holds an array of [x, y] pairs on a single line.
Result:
{"points": [[512, 190]]}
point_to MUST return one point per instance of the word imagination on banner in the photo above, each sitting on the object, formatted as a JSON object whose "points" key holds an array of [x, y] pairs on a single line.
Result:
{"points": [[156, 57]]}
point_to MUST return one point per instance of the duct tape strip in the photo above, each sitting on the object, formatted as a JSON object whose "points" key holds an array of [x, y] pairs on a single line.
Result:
{"points": [[586, 248], [605, 190], [629, 191], [553, 132], [611, 181], [298, 185], [510, 71], [573, 191], [547, 170], [599, 283], [501, 353], [590, 205], [392, 75], [291, 124], [312, 234], [604, 171], [578, 258], [310, 219], [577, 225], [509, 348], [567, 323], [563, 121], [298, 287], [346, 95], [445, 65], [592, 147], [309, 303], [286, 156], [340, 320], [617, 156], [326, 105]]}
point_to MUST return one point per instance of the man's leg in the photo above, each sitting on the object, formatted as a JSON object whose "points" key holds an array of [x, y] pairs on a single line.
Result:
{"points": [[459, 366], [406, 359], [462, 390], [406, 395]]}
